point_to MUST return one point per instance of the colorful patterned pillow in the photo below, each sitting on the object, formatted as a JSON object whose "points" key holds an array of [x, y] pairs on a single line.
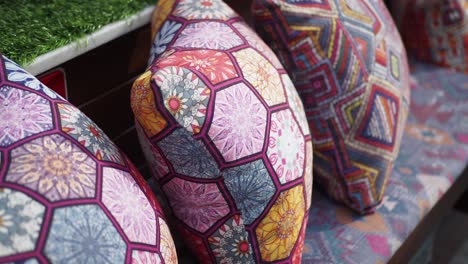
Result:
{"points": [[225, 133], [67, 194], [435, 31], [350, 69]]}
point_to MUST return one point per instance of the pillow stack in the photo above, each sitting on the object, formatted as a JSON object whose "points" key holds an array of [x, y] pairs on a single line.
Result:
{"points": [[349, 65], [435, 31], [227, 135], [67, 194]]}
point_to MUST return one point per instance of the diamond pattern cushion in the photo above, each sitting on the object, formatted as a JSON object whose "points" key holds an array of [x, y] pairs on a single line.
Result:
{"points": [[350, 68], [435, 31], [67, 194], [226, 136], [433, 154]]}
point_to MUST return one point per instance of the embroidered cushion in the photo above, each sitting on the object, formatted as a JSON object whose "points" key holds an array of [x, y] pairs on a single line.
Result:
{"points": [[435, 31], [433, 157], [67, 194], [350, 68], [226, 136]]}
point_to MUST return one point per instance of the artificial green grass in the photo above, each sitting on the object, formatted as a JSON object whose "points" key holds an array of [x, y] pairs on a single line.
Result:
{"points": [[29, 28]]}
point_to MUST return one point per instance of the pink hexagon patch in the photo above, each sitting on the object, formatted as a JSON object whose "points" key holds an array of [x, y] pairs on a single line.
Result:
{"points": [[199, 205], [128, 204], [239, 122]]}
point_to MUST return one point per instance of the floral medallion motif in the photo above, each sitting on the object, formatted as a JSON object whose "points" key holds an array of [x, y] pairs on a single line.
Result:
{"points": [[185, 96], [251, 187], [17, 75], [295, 103], [261, 75], [308, 174], [278, 232], [203, 9], [286, 147], [128, 204], [239, 122], [208, 35], [230, 243], [144, 107], [54, 167], [145, 257], [20, 222], [166, 243], [80, 127], [257, 43], [22, 114], [215, 65], [73, 236], [199, 205], [163, 38], [179, 148], [153, 156]]}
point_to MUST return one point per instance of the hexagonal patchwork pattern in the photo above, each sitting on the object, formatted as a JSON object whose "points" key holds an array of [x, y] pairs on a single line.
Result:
{"points": [[295, 102], [179, 148], [277, 233], [16, 75], [261, 74], [67, 195], [231, 242], [235, 139], [251, 187], [54, 167], [128, 204], [25, 114], [74, 236], [80, 127], [255, 42], [185, 96], [21, 216], [286, 147], [239, 122], [143, 103], [207, 9], [215, 65], [197, 205], [208, 35]]}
